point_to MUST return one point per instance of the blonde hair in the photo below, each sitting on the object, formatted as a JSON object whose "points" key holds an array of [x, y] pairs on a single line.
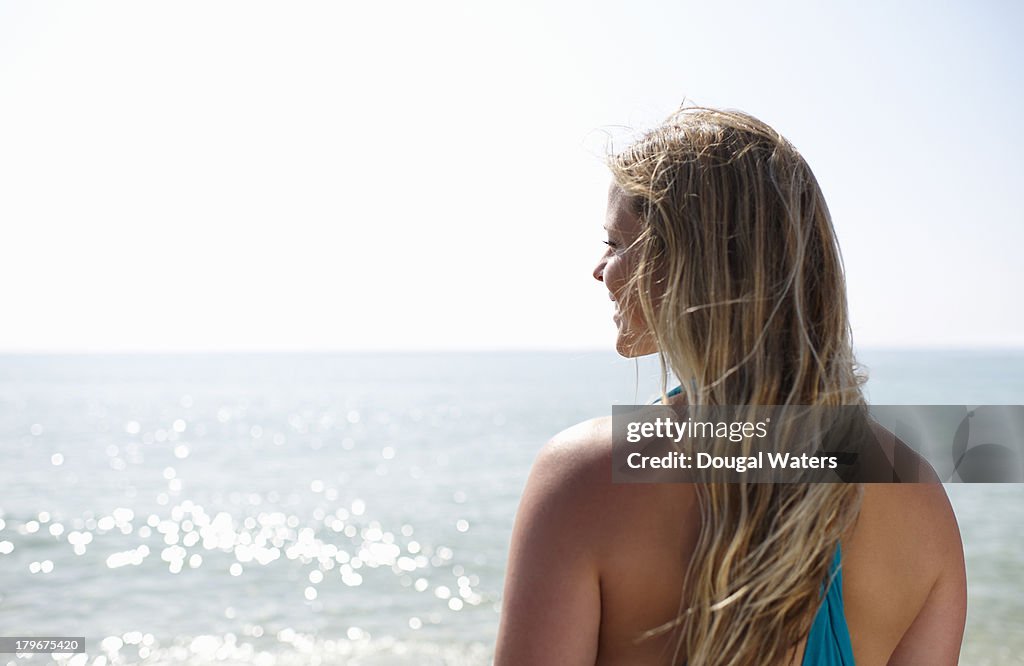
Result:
{"points": [[740, 281]]}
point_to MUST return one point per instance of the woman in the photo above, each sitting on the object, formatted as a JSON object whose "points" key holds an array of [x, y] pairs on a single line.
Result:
{"points": [[722, 259]]}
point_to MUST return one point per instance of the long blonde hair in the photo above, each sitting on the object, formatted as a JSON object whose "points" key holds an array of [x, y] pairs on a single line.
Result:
{"points": [[740, 281]]}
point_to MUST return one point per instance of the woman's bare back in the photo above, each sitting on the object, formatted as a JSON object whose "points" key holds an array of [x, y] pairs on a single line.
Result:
{"points": [[903, 578]]}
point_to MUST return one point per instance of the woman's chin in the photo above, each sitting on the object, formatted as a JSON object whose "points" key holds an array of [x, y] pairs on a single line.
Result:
{"points": [[628, 346]]}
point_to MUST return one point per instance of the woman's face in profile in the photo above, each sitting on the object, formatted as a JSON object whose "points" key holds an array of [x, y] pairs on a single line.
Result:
{"points": [[614, 270]]}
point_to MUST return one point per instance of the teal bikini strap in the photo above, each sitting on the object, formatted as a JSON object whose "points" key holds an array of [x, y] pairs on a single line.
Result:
{"points": [[829, 642], [676, 391]]}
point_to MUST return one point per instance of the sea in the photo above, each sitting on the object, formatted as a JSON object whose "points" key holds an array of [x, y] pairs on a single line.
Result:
{"points": [[349, 508]]}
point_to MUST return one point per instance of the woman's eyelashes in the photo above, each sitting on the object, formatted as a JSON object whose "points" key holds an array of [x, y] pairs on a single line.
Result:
{"points": [[615, 247]]}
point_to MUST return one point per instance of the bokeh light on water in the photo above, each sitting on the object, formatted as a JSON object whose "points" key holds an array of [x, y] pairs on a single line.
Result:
{"points": [[269, 509]]}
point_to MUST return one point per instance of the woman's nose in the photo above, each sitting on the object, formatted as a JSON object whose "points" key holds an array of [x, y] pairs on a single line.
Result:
{"points": [[599, 271]]}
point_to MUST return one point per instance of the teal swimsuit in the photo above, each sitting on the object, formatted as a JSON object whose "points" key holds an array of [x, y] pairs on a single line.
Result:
{"points": [[828, 644]]}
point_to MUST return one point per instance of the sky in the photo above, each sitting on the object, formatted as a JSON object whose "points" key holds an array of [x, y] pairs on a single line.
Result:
{"points": [[328, 176]]}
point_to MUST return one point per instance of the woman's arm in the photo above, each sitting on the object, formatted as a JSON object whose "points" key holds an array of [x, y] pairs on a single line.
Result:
{"points": [[936, 633], [551, 610]]}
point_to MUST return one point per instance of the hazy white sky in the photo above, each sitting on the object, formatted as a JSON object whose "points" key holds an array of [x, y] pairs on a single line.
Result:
{"points": [[409, 175]]}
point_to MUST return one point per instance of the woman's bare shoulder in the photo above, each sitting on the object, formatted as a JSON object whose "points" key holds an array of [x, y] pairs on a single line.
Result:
{"points": [[581, 448], [573, 470], [576, 453], [915, 517], [551, 608], [906, 583]]}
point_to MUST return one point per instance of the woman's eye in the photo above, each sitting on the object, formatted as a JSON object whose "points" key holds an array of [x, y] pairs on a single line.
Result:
{"points": [[610, 244]]}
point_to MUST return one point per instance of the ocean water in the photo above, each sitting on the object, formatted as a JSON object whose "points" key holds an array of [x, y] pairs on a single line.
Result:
{"points": [[347, 509]]}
